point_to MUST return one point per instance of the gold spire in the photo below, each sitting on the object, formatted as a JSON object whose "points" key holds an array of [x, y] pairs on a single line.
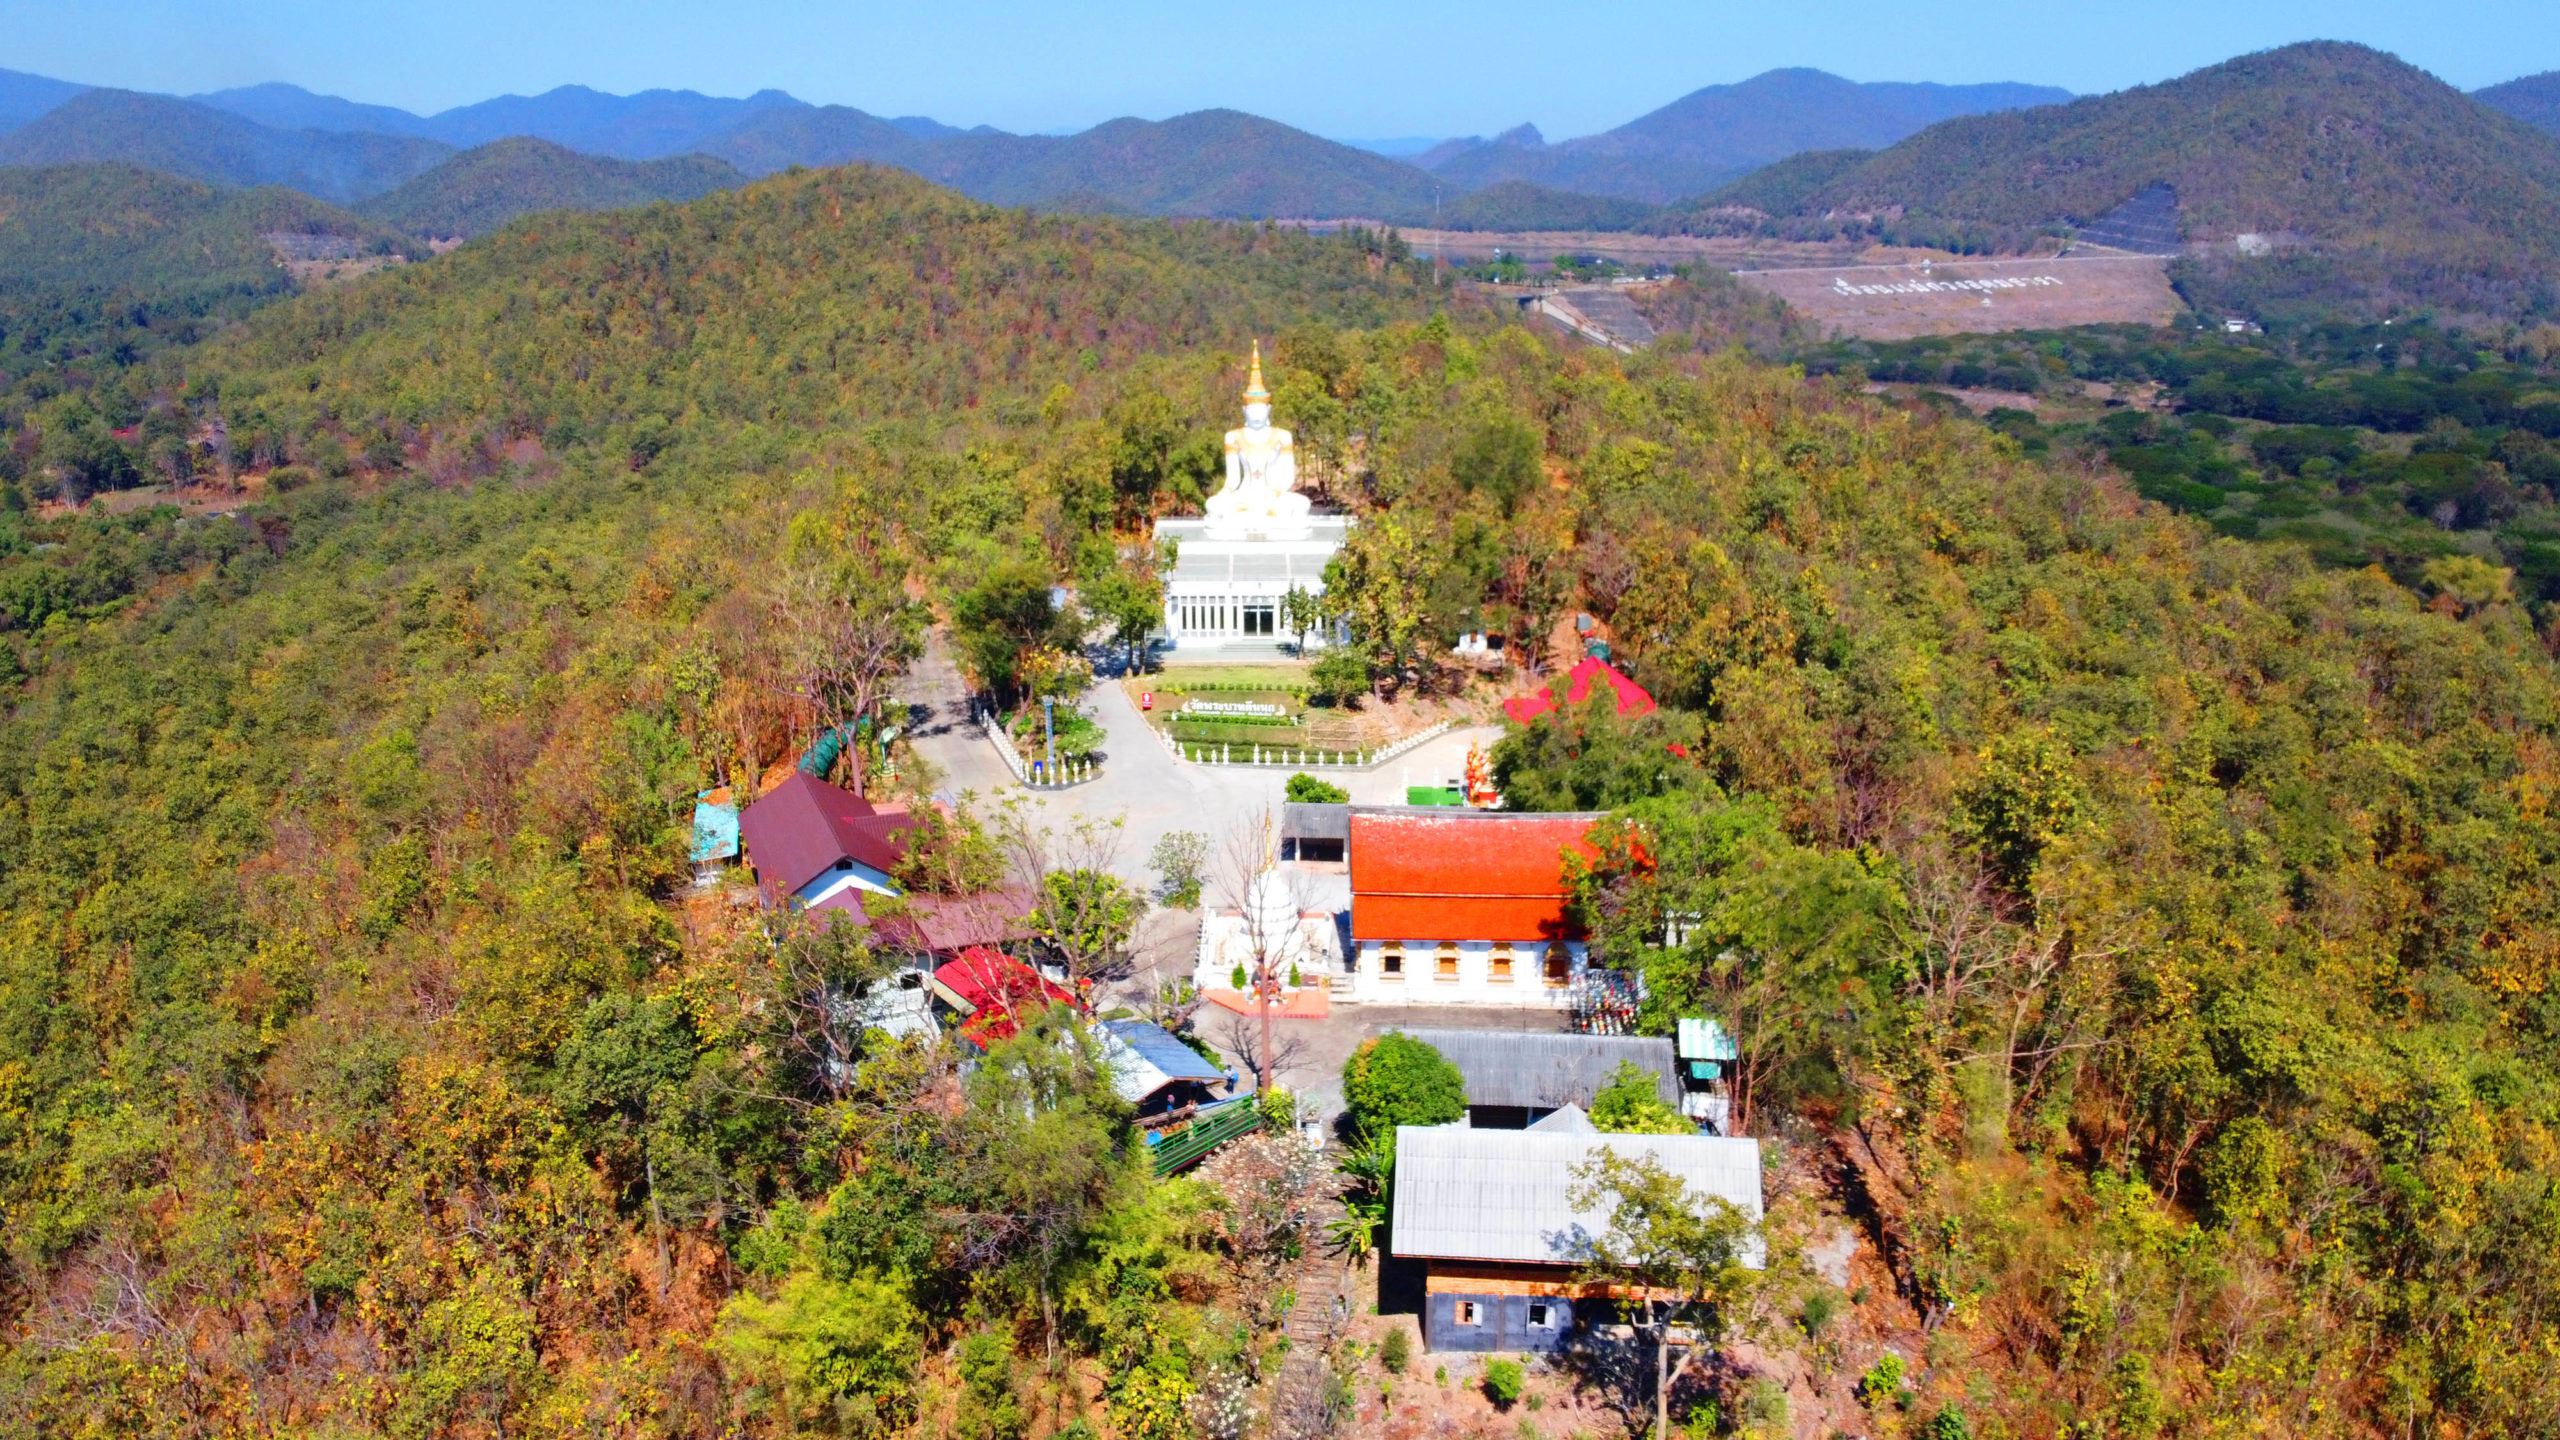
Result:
{"points": [[1254, 392]]}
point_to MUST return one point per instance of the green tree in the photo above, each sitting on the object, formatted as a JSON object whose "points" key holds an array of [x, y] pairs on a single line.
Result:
{"points": [[1590, 757], [1044, 1150], [990, 1408], [1631, 1104], [1087, 917], [1000, 620], [1379, 583], [1181, 862], [1128, 601], [1696, 1258], [1300, 612], [1305, 789], [1784, 944], [1395, 1079], [841, 1350]]}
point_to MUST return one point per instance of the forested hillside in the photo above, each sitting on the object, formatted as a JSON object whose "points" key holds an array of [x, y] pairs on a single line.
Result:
{"points": [[100, 265], [481, 189], [199, 142], [2161, 930], [2535, 100]]}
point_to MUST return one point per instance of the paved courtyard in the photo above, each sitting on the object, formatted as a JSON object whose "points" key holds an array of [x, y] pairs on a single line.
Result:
{"points": [[1141, 784]]}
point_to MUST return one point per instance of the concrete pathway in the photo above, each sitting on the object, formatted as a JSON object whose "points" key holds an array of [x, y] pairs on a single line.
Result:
{"points": [[940, 729]]}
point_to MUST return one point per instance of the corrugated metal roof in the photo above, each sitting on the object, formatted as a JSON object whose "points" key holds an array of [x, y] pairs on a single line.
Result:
{"points": [[1466, 1194], [804, 825], [1705, 1040], [1302, 821], [1576, 685], [1543, 1070], [1146, 1058]]}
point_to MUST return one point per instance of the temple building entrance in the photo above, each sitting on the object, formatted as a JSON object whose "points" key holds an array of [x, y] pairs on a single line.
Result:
{"points": [[1258, 619]]}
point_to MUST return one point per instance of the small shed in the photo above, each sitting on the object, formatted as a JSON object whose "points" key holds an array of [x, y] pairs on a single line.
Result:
{"points": [[1315, 833], [1153, 1070]]}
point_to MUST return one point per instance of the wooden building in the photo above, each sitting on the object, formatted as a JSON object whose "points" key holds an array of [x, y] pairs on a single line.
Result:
{"points": [[1490, 1216]]}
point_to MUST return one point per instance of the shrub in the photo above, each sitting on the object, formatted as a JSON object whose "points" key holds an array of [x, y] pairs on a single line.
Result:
{"points": [[1278, 1108], [1395, 1080], [1305, 789], [1882, 1384], [1237, 979], [1949, 1424], [1503, 1381], [1395, 1351], [1339, 675], [1631, 1104]]}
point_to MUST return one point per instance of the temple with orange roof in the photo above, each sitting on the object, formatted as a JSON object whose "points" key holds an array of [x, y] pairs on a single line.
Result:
{"points": [[1465, 907]]}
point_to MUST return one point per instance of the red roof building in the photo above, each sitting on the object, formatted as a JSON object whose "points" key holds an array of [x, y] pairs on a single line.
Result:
{"points": [[1464, 906], [1577, 683], [1477, 875], [995, 992], [810, 840]]}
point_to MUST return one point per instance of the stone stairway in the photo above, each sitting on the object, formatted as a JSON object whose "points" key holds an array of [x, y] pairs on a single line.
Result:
{"points": [[1324, 1281]]}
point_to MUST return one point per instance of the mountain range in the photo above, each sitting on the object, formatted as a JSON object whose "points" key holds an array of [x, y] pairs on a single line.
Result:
{"points": [[2327, 148], [2323, 151], [1216, 163], [199, 142], [484, 187], [1722, 132], [2535, 99]]}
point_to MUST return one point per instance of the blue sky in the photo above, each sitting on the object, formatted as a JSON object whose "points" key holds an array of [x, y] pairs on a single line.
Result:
{"points": [[1357, 70]]}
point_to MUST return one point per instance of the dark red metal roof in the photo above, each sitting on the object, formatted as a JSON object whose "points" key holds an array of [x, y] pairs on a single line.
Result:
{"points": [[1455, 875], [804, 827], [934, 924]]}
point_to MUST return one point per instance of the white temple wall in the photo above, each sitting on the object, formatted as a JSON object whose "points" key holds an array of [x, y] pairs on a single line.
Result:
{"points": [[1467, 972]]}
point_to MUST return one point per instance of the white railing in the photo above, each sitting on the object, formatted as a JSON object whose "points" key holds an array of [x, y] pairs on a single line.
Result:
{"points": [[1070, 772], [1274, 758]]}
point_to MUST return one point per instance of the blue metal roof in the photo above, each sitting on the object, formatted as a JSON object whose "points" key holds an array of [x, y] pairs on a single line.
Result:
{"points": [[715, 831], [1158, 1047]]}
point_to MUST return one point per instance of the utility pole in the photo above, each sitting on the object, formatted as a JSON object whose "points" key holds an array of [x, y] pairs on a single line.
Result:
{"points": [[1049, 737]]}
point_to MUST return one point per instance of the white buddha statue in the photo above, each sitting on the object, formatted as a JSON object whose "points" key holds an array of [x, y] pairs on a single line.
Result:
{"points": [[1260, 499]]}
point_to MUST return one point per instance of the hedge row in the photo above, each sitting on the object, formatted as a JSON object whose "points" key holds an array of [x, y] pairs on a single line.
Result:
{"points": [[1214, 732]]}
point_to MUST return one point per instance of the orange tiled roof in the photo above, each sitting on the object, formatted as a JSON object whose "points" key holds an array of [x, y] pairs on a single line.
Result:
{"points": [[1461, 876]]}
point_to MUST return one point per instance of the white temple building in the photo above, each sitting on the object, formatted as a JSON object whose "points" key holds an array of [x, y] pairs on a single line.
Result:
{"points": [[1260, 539]]}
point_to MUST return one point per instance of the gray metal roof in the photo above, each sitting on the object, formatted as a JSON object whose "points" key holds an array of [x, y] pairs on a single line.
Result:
{"points": [[1465, 1194], [1545, 1070], [1301, 821]]}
